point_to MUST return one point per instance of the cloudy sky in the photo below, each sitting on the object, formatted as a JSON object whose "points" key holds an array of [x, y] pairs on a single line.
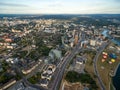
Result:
{"points": [[59, 6]]}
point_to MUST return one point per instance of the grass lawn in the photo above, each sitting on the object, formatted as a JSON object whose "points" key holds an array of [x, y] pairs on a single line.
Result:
{"points": [[89, 67], [105, 68]]}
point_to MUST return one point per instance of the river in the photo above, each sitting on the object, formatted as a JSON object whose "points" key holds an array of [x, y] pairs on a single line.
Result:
{"points": [[114, 40], [116, 79]]}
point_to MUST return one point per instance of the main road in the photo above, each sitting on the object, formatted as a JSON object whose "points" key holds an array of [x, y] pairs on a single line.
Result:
{"points": [[102, 86], [60, 70], [64, 64]]}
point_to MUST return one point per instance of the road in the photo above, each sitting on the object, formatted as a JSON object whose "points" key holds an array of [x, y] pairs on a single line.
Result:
{"points": [[60, 73], [60, 70], [24, 78], [66, 61], [102, 86]]}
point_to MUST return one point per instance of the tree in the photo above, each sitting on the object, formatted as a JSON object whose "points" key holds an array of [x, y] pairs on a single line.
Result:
{"points": [[73, 77]]}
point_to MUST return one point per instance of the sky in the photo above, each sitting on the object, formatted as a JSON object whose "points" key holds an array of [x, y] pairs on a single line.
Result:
{"points": [[59, 6]]}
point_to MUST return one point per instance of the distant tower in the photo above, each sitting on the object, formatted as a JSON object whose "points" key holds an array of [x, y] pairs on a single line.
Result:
{"points": [[76, 38]]}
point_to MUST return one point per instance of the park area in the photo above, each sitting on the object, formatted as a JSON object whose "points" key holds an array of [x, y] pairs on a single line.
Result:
{"points": [[107, 64]]}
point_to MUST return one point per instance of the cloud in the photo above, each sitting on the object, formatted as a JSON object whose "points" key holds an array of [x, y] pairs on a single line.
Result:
{"points": [[55, 4], [59, 6], [12, 4], [117, 0]]}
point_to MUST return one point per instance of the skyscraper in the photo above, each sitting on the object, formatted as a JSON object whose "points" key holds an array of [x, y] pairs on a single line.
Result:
{"points": [[76, 39]]}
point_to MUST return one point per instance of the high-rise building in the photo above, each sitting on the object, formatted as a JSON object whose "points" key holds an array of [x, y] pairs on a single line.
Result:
{"points": [[76, 39]]}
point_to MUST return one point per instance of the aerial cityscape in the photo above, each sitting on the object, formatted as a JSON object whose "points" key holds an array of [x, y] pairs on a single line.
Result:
{"points": [[59, 45]]}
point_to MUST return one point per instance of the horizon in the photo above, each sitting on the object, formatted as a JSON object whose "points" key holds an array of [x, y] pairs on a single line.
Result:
{"points": [[59, 7], [61, 14]]}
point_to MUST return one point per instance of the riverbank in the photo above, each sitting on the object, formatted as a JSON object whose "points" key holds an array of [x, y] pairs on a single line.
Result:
{"points": [[114, 40], [114, 78], [107, 70], [111, 82], [116, 70]]}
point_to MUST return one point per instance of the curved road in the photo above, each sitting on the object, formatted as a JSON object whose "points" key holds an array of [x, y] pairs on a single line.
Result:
{"points": [[25, 81], [95, 66]]}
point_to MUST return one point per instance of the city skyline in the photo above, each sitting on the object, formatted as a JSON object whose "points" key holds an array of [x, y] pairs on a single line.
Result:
{"points": [[59, 7]]}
